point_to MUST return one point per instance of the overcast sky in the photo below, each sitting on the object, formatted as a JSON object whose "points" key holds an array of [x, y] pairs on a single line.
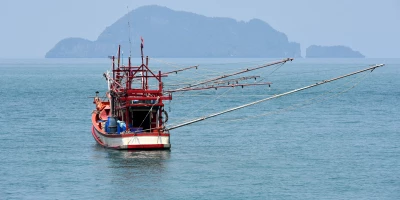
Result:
{"points": [[29, 28]]}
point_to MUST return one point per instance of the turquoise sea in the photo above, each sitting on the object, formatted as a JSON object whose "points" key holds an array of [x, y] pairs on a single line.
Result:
{"points": [[336, 141]]}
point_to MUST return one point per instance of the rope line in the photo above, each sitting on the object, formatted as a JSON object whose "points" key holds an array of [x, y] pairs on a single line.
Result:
{"points": [[306, 102], [151, 108], [193, 113], [275, 96]]}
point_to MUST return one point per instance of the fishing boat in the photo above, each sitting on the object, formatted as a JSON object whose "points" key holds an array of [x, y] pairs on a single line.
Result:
{"points": [[132, 114]]}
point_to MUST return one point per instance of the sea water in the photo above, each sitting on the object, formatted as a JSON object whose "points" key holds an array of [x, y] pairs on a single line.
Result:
{"points": [[336, 141]]}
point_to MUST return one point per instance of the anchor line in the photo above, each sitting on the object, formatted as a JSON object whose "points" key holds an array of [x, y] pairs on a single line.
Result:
{"points": [[273, 97]]}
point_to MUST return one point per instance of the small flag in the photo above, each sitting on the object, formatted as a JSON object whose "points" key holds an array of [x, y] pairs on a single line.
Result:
{"points": [[141, 48]]}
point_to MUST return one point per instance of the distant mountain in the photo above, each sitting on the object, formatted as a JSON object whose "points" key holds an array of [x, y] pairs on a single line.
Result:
{"points": [[315, 51], [169, 33]]}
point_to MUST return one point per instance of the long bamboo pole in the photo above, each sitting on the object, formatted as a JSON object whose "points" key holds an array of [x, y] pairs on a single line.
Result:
{"points": [[273, 97]]}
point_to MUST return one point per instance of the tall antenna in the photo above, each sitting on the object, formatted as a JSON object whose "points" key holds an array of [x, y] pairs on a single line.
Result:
{"points": [[129, 26]]}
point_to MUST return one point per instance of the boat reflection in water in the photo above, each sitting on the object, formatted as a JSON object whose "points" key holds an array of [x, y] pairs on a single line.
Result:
{"points": [[134, 158], [131, 174], [137, 158]]}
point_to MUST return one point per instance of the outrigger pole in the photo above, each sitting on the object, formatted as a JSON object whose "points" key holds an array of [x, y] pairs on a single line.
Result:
{"points": [[273, 97], [236, 73], [179, 70], [218, 86], [236, 80]]}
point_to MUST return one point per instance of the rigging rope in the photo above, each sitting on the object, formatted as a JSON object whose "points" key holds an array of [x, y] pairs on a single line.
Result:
{"points": [[200, 74], [192, 113], [225, 93], [202, 107], [273, 97], [307, 102], [151, 108]]}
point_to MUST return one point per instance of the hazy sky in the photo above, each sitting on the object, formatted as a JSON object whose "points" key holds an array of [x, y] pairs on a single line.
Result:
{"points": [[29, 28]]}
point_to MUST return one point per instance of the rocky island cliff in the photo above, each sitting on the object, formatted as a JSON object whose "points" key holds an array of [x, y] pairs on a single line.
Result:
{"points": [[169, 33], [338, 51]]}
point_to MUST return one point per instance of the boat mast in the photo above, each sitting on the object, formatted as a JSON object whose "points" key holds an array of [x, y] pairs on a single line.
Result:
{"points": [[274, 97], [112, 92], [141, 48], [124, 95], [119, 55]]}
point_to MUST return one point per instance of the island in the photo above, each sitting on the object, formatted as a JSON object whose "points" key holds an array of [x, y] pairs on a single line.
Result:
{"points": [[338, 51], [169, 33]]}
